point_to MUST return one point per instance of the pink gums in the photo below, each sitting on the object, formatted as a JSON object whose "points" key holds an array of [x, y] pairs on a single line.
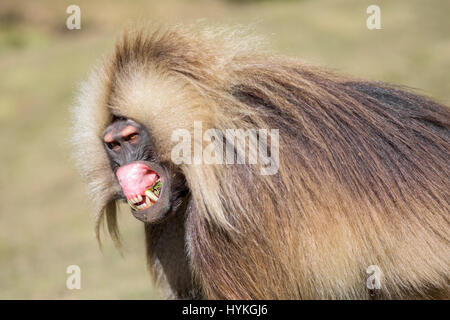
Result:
{"points": [[135, 178]]}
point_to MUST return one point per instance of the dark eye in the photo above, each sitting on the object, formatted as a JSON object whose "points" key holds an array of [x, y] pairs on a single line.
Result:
{"points": [[113, 145]]}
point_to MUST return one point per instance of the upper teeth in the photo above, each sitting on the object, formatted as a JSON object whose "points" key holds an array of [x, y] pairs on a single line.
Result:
{"points": [[136, 199]]}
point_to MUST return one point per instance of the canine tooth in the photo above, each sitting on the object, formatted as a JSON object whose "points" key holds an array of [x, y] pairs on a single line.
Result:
{"points": [[151, 195], [147, 201]]}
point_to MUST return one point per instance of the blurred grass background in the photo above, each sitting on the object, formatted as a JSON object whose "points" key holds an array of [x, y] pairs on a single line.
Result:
{"points": [[46, 222]]}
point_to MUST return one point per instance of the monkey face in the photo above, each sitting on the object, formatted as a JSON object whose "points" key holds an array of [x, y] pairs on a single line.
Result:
{"points": [[146, 183]]}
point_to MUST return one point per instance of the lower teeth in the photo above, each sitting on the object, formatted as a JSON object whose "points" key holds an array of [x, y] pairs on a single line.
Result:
{"points": [[151, 195]]}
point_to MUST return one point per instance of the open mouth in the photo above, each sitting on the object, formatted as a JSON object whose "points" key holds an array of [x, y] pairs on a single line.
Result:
{"points": [[141, 185], [146, 200]]}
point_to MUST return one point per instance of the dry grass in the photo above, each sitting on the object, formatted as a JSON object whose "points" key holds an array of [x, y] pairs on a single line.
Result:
{"points": [[44, 216]]}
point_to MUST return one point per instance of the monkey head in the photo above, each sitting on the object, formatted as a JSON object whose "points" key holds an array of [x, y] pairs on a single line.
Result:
{"points": [[152, 189]]}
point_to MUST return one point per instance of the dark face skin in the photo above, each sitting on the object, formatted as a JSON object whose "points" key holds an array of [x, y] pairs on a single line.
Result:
{"points": [[153, 190]]}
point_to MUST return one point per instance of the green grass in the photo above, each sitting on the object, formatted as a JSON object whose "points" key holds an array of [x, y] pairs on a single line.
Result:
{"points": [[46, 222]]}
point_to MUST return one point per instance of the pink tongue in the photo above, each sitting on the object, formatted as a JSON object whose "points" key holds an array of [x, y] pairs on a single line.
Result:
{"points": [[135, 178]]}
